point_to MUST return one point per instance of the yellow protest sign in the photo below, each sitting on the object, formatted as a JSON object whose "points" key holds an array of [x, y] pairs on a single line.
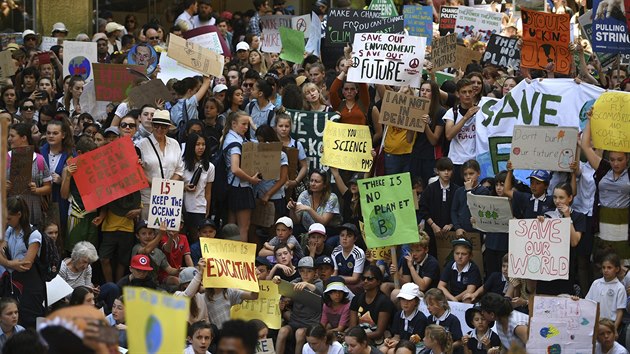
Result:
{"points": [[610, 122], [229, 264], [376, 253], [347, 146], [156, 321], [266, 308]]}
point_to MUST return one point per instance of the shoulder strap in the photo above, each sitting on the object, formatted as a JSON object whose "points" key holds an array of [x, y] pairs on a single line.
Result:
{"points": [[250, 106], [270, 116], [185, 118], [455, 113], [40, 162], [158, 157]]}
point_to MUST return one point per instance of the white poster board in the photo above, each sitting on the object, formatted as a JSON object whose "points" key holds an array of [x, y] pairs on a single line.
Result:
{"points": [[167, 200], [543, 148], [458, 309], [78, 58], [387, 59], [302, 24], [472, 21], [170, 69], [539, 250], [48, 42], [209, 40], [270, 25], [489, 213]]}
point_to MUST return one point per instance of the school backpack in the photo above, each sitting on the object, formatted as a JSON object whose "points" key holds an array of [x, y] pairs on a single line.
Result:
{"points": [[270, 115], [220, 185], [48, 262]]}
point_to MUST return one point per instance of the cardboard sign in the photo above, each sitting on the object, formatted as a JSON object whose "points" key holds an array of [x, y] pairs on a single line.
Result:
{"points": [[387, 207], [307, 127], [503, 52], [208, 40], [560, 324], [148, 92], [489, 213], [302, 24], [108, 173], [610, 123], [304, 297], [167, 198], [466, 56], [205, 30], [21, 171], [471, 22], [387, 59], [113, 81], [445, 247], [404, 111], [194, 57], [263, 214], [546, 148], [266, 308], [294, 162], [170, 69], [610, 31], [539, 250], [229, 264], [263, 158], [156, 321], [419, 21], [376, 253], [586, 25], [343, 24], [265, 346], [293, 45], [270, 41], [386, 7], [78, 58], [444, 52], [546, 38], [448, 19], [347, 146], [7, 64]]}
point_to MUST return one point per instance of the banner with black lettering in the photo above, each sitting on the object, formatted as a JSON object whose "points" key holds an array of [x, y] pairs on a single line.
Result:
{"points": [[343, 24], [503, 52]]}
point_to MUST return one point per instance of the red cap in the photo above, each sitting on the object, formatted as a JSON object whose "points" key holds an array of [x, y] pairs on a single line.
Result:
{"points": [[141, 262]]}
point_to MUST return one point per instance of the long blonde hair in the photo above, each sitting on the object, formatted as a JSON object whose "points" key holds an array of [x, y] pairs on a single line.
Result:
{"points": [[441, 336], [307, 87]]}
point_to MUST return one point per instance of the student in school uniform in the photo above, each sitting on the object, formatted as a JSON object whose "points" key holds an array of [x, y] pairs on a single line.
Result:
{"points": [[525, 205]]}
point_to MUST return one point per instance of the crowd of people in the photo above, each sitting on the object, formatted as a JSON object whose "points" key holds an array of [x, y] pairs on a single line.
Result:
{"points": [[316, 242]]}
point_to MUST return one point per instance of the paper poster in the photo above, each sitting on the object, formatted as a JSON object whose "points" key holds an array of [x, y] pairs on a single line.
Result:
{"points": [[57, 289], [419, 21], [465, 56], [489, 213], [502, 52], [444, 52], [387, 59], [266, 308], [8, 66], [448, 19], [404, 111], [167, 200], [539, 250], [264, 346], [229, 264], [292, 45], [347, 146], [78, 58], [263, 158], [387, 207], [472, 22], [610, 30], [304, 297], [342, 25], [156, 321], [48, 42], [458, 309], [376, 253], [108, 173], [444, 245], [544, 148], [386, 7], [302, 24], [307, 127], [208, 39], [114, 81], [148, 92], [610, 123], [586, 24], [264, 214], [546, 38], [170, 69], [21, 169], [270, 41], [195, 57], [144, 55]]}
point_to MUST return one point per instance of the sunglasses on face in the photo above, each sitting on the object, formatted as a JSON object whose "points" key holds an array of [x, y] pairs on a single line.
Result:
{"points": [[367, 278], [128, 125], [28, 108], [154, 38], [248, 85], [160, 126]]}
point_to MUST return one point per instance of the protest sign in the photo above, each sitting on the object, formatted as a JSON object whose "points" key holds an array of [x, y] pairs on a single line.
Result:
{"points": [[292, 45], [21, 169], [7, 65], [167, 197], [144, 55], [8, 38], [48, 42], [264, 346], [404, 111], [305, 297], [264, 214], [302, 24], [465, 56], [342, 25], [170, 69], [229, 264], [472, 22], [539, 250], [347, 146], [195, 57], [586, 25], [546, 38], [266, 308], [458, 309], [78, 58], [307, 127], [386, 7], [539, 103], [448, 19], [419, 21], [148, 92], [57, 289], [108, 173], [375, 253], [545, 148], [387, 206], [562, 325], [536, 5], [489, 214], [503, 52], [156, 321], [444, 52], [444, 245], [610, 30], [114, 81], [270, 41], [208, 40], [387, 59], [610, 123], [263, 158], [294, 162]]}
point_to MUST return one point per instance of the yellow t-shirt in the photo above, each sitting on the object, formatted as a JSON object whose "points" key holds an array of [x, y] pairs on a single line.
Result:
{"points": [[113, 222], [396, 141]]}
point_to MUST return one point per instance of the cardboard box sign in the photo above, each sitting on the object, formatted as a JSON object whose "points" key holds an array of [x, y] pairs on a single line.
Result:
{"points": [[263, 158]]}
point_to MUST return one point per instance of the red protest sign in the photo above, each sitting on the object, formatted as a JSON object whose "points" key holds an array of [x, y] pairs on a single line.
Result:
{"points": [[112, 81], [108, 173], [546, 39]]}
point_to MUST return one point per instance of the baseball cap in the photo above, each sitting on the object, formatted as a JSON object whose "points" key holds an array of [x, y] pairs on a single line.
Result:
{"points": [[142, 224], [286, 221], [260, 260], [111, 130], [350, 228], [306, 262], [205, 223], [462, 242], [324, 260], [541, 175], [219, 88], [113, 26], [409, 291], [141, 262], [242, 46], [317, 228], [187, 274]]}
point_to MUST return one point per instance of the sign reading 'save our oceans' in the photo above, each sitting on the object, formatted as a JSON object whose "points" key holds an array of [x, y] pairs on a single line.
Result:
{"points": [[166, 203]]}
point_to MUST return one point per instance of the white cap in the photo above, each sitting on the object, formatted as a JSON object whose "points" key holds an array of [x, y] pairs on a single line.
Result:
{"points": [[113, 26], [219, 88], [286, 221], [59, 27], [98, 36], [317, 228], [30, 32], [242, 46], [409, 291]]}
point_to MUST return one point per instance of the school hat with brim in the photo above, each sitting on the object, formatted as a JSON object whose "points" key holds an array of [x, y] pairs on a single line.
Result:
{"points": [[27, 33], [113, 26], [541, 175], [462, 242], [141, 262], [207, 223], [336, 286], [162, 117], [350, 228], [409, 291], [231, 232], [470, 314], [300, 80], [306, 262], [260, 260], [59, 27]]}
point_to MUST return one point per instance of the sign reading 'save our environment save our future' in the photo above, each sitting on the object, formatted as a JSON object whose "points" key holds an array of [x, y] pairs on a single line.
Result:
{"points": [[388, 209]]}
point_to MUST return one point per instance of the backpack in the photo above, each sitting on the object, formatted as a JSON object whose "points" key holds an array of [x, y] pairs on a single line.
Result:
{"points": [[270, 115], [48, 262], [220, 185]]}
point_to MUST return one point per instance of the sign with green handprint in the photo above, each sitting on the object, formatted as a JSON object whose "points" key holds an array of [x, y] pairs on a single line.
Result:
{"points": [[489, 214]]}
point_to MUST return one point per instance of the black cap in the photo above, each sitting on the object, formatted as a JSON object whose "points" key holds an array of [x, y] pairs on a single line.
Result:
{"points": [[351, 228], [262, 261], [324, 260], [207, 222], [142, 224], [470, 314]]}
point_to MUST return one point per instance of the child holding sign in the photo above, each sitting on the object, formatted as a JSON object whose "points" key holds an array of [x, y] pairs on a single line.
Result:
{"points": [[524, 205]]}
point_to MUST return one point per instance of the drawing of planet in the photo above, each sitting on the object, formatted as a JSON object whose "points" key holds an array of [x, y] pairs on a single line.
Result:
{"points": [[153, 335], [549, 332], [516, 151], [554, 349], [383, 224], [80, 66]]}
